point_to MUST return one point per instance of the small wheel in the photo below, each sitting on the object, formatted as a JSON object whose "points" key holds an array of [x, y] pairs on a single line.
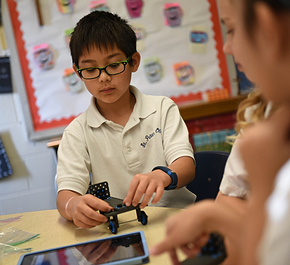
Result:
{"points": [[144, 218], [113, 227]]}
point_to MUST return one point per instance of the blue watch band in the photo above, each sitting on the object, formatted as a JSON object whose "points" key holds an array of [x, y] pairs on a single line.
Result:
{"points": [[171, 174]]}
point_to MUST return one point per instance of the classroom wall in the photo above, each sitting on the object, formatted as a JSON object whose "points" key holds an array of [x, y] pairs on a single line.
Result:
{"points": [[31, 187]]}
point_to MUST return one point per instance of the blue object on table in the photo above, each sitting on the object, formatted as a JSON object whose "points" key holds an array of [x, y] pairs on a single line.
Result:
{"points": [[5, 167]]}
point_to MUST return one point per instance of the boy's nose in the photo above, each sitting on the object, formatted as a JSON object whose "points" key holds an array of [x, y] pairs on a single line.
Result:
{"points": [[104, 76]]}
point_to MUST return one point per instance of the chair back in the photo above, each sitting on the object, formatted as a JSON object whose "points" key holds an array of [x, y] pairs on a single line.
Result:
{"points": [[209, 172]]}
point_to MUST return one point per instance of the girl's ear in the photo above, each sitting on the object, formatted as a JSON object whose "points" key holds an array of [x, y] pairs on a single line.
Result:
{"points": [[270, 31], [136, 58]]}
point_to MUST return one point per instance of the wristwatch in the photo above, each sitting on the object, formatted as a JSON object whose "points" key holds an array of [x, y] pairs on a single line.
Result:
{"points": [[171, 174]]}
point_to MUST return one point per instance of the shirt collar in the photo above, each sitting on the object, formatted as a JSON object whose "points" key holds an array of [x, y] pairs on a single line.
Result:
{"points": [[143, 106], [142, 109]]}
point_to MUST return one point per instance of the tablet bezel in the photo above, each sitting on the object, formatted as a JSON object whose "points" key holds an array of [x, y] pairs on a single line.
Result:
{"points": [[130, 261]]}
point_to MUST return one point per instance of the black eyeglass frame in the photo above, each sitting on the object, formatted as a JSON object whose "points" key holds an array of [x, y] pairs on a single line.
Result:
{"points": [[124, 62]]}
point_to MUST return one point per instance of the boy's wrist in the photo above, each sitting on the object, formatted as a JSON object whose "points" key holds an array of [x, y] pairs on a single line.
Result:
{"points": [[67, 208], [164, 177], [170, 179]]}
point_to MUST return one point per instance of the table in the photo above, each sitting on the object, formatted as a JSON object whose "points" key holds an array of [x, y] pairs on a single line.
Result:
{"points": [[56, 231]]}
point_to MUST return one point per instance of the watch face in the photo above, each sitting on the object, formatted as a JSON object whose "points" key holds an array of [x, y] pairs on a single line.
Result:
{"points": [[173, 176]]}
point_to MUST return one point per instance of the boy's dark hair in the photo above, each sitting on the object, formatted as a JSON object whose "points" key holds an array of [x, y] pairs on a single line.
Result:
{"points": [[102, 30]]}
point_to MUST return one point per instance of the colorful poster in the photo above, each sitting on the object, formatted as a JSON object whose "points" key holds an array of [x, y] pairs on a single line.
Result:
{"points": [[195, 39]]}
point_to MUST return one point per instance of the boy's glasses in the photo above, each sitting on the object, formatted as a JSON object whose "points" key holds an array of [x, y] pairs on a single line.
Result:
{"points": [[110, 69]]}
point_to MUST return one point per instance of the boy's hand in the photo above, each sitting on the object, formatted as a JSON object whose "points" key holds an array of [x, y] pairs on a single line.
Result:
{"points": [[146, 184], [83, 210]]}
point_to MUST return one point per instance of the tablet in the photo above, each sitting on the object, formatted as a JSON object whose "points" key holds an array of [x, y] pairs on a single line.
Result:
{"points": [[130, 248]]}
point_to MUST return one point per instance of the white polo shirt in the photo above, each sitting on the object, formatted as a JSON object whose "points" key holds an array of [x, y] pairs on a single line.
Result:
{"points": [[155, 135], [275, 242], [235, 178]]}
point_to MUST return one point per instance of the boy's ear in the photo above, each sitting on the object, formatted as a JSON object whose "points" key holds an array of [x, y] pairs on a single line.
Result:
{"points": [[136, 58], [271, 31], [75, 69]]}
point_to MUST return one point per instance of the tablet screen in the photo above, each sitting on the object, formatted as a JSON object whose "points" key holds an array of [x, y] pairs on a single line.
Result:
{"points": [[104, 251]]}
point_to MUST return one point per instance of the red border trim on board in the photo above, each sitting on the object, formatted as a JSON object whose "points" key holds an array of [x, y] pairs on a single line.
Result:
{"points": [[220, 54], [22, 57], [39, 126], [219, 45]]}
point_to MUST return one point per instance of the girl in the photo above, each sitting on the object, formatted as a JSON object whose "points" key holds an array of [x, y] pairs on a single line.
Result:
{"points": [[266, 47], [262, 48], [234, 188]]}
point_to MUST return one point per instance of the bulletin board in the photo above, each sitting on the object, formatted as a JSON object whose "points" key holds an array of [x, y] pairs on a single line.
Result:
{"points": [[52, 106]]}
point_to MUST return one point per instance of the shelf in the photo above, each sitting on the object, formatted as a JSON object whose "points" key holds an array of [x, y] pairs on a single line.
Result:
{"points": [[54, 142], [206, 109]]}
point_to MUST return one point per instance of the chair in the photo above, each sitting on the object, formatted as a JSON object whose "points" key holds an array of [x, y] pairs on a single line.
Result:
{"points": [[208, 175]]}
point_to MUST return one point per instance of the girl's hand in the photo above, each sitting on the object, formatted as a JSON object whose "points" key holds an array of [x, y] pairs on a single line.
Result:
{"points": [[188, 230]]}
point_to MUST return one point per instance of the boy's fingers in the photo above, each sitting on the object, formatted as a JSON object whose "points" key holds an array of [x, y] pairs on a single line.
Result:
{"points": [[91, 217], [131, 192], [140, 191], [145, 190], [158, 195], [85, 224], [145, 201], [101, 205]]}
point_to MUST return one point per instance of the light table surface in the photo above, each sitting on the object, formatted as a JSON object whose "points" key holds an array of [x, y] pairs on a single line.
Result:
{"points": [[56, 231]]}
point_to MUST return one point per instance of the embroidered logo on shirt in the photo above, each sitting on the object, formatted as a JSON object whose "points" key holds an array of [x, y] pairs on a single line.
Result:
{"points": [[148, 137]]}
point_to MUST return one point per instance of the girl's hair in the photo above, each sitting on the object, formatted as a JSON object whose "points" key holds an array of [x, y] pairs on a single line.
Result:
{"points": [[278, 6], [259, 105], [254, 98], [102, 30]]}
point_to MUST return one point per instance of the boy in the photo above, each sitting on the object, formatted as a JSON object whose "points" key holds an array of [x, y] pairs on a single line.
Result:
{"points": [[123, 135]]}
